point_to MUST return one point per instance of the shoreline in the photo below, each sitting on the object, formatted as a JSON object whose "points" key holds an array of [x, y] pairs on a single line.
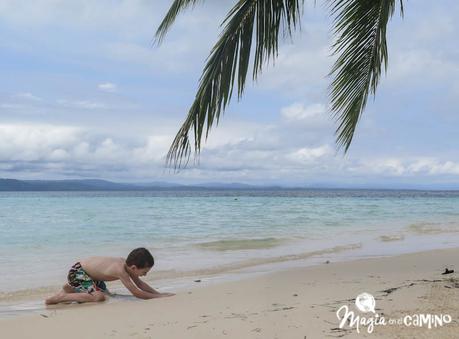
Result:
{"points": [[348, 248], [290, 298], [28, 301], [20, 302]]}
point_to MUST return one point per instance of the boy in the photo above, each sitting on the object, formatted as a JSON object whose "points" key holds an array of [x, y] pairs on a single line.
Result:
{"points": [[86, 279]]}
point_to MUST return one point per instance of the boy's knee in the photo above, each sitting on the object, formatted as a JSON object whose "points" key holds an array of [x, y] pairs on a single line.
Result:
{"points": [[68, 289], [98, 296]]}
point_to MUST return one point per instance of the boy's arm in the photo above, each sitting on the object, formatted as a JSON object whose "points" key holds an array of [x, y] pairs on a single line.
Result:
{"points": [[143, 285], [141, 294], [147, 288]]}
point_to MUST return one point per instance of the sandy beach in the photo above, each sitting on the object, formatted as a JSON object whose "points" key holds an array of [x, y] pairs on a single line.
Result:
{"points": [[295, 303]]}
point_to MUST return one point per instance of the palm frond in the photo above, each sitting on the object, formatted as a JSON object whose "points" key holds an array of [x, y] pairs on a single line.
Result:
{"points": [[175, 9], [360, 27], [228, 61]]}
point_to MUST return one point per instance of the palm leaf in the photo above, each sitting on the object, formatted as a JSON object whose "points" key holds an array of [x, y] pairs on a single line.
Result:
{"points": [[176, 7], [360, 27], [229, 62], [361, 47]]}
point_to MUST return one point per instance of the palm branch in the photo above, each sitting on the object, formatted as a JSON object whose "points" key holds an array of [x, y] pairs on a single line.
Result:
{"points": [[361, 47], [360, 28]]}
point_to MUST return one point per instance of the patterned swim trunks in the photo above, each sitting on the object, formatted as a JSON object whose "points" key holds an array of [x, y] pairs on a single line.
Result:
{"points": [[82, 282]]}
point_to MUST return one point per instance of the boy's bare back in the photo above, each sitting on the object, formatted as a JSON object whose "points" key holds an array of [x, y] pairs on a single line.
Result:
{"points": [[104, 268]]}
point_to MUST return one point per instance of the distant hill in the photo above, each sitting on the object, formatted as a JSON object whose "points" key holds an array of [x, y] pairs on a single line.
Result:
{"points": [[104, 185], [60, 185], [233, 185]]}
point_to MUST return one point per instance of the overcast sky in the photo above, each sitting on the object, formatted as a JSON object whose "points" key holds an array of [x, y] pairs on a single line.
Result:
{"points": [[83, 94]]}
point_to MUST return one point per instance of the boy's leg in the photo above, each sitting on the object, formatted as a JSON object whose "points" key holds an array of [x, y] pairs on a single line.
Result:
{"points": [[78, 297], [65, 289], [68, 289]]}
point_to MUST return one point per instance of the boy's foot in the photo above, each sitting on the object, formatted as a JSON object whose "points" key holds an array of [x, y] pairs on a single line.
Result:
{"points": [[167, 294], [55, 299]]}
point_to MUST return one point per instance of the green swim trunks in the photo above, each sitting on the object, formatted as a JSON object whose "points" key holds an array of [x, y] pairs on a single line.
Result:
{"points": [[82, 282]]}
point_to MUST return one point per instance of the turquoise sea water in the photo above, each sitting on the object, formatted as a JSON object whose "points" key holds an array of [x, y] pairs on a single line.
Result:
{"points": [[43, 233]]}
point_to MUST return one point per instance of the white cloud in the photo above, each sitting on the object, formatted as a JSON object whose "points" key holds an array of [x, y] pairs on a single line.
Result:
{"points": [[175, 55], [12, 106], [154, 149], [35, 142], [433, 166], [128, 15], [300, 69], [107, 87], [386, 166], [250, 134], [27, 96], [306, 154], [421, 63], [56, 151], [22, 102], [41, 147], [82, 104], [407, 167], [298, 112], [58, 155]]}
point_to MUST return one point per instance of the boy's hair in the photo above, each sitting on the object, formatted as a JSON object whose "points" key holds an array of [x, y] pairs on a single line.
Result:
{"points": [[140, 257]]}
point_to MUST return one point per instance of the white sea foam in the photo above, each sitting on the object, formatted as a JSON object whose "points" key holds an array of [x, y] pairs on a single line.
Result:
{"points": [[391, 237], [434, 227]]}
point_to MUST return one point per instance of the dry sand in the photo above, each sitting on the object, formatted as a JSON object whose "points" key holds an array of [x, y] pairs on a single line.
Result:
{"points": [[296, 303]]}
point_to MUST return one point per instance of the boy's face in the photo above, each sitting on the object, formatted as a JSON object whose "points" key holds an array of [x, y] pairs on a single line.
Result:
{"points": [[140, 272]]}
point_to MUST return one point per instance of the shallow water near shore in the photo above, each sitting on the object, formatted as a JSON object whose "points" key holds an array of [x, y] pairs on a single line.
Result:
{"points": [[197, 233]]}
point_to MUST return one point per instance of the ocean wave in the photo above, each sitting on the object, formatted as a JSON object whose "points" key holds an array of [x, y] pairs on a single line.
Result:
{"points": [[28, 294], [434, 227], [238, 265], [391, 237], [241, 244]]}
